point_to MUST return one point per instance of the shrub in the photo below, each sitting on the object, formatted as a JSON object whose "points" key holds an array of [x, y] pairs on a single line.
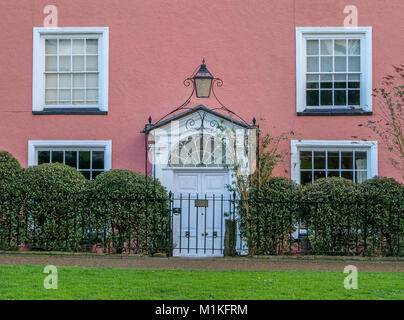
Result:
{"points": [[9, 166], [10, 175], [268, 219], [330, 214], [125, 218], [384, 199], [54, 210]]}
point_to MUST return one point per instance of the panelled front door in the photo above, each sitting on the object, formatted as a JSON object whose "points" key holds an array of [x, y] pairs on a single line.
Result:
{"points": [[203, 201]]}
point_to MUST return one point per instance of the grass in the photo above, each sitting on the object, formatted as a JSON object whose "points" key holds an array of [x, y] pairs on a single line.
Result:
{"points": [[26, 282]]}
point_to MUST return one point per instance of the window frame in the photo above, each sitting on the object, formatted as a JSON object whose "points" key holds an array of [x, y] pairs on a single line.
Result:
{"points": [[363, 33], [324, 145], [38, 83], [97, 145]]}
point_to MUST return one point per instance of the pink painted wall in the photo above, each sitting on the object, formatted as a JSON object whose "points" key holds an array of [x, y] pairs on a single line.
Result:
{"points": [[154, 45]]}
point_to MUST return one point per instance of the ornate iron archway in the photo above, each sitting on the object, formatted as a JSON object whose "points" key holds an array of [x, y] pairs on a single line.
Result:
{"points": [[201, 124]]}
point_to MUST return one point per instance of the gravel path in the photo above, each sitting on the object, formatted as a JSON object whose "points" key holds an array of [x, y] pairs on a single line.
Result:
{"points": [[273, 263]]}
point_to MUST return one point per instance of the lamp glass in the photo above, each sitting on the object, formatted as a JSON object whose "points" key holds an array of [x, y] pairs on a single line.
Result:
{"points": [[202, 87]]}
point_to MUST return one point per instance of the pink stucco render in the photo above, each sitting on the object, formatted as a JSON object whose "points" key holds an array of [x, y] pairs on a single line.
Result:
{"points": [[155, 44]]}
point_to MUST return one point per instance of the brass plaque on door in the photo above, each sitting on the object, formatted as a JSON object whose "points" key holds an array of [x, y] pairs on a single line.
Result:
{"points": [[201, 203]]}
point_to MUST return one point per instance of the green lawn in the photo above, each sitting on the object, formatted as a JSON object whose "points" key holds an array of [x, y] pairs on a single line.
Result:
{"points": [[26, 282]]}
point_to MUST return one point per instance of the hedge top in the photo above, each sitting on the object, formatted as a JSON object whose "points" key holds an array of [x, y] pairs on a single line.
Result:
{"points": [[8, 165], [53, 181], [10, 172], [125, 184], [382, 189], [330, 189]]}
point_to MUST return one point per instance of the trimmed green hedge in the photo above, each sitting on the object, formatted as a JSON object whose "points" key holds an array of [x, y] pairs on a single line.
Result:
{"points": [[384, 198], [339, 217], [119, 202], [331, 215], [269, 217], [10, 189], [54, 208]]}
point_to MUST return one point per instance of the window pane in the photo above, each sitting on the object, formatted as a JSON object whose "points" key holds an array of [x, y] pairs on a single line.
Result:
{"points": [[98, 159], [64, 47], [71, 158], [87, 174], [340, 97], [312, 64], [312, 85], [305, 177], [50, 96], [312, 97], [91, 63], [78, 63], [354, 97], [84, 159], [312, 47], [312, 77], [361, 176], [91, 46], [360, 160], [78, 96], [50, 46], [340, 64], [326, 81], [312, 81], [78, 46], [43, 157], [326, 47], [326, 97], [64, 63], [347, 175], [78, 81], [333, 160], [65, 95], [92, 80], [326, 64], [339, 81], [347, 160], [65, 81], [354, 81], [319, 175], [50, 63], [51, 81], [354, 77], [354, 85], [96, 173], [305, 160], [354, 47], [92, 95], [319, 160], [354, 64], [340, 47], [57, 156], [333, 174]]}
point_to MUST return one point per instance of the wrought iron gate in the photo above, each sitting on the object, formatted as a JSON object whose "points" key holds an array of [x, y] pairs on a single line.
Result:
{"points": [[204, 225]]}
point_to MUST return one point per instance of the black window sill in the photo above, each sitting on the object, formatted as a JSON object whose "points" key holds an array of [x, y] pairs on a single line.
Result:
{"points": [[92, 111], [335, 112]]}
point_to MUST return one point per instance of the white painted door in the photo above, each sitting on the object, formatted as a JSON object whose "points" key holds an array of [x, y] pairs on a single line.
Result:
{"points": [[203, 200]]}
